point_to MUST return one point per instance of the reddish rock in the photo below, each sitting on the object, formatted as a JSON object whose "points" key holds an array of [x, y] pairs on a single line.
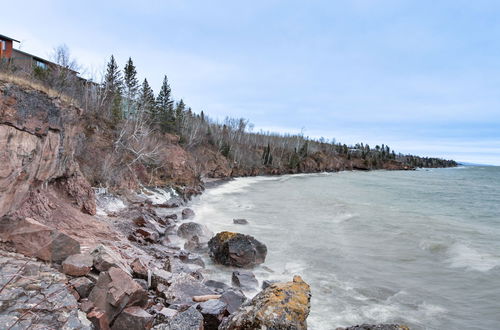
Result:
{"points": [[133, 318], [99, 319], [147, 234], [38, 138], [31, 238], [115, 290], [82, 285], [77, 264], [139, 268]]}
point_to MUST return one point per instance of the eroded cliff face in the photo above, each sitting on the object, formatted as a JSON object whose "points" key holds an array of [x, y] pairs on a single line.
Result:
{"points": [[38, 135]]}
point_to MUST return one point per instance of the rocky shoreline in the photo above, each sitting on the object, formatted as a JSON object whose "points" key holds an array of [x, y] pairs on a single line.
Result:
{"points": [[77, 257], [153, 276]]}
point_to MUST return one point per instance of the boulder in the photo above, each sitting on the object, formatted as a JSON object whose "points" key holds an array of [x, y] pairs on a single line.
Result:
{"points": [[213, 312], [99, 319], [188, 230], [376, 327], [235, 249], [133, 318], [34, 239], [183, 288], [78, 264], [233, 299], [190, 319], [187, 213], [105, 258], [244, 279], [82, 285], [219, 287], [115, 290], [240, 221], [139, 268], [280, 306]]}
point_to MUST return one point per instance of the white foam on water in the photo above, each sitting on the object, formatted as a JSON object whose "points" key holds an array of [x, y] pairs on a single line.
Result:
{"points": [[237, 185], [463, 256], [156, 195], [108, 204]]}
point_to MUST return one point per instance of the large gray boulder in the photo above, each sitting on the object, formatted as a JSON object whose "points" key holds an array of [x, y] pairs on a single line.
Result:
{"points": [[188, 230], [235, 249]]}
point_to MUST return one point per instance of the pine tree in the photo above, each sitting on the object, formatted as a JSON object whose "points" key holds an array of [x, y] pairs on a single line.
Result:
{"points": [[146, 102], [131, 86], [165, 106], [179, 115], [113, 85]]}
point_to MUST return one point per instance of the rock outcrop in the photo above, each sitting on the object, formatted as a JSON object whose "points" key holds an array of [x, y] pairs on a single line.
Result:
{"points": [[35, 296], [38, 137], [235, 249], [281, 306], [34, 239], [78, 264]]}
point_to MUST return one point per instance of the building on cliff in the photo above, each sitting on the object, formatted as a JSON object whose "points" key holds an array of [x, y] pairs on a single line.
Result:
{"points": [[22, 62]]}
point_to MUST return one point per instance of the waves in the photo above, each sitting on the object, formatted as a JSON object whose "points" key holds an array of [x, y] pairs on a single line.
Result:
{"points": [[419, 248], [463, 256]]}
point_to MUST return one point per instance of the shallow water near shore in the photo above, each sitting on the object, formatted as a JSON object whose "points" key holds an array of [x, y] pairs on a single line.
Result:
{"points": [[420, 248]]}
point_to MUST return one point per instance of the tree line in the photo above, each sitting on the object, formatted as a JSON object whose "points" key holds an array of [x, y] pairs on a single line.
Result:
{"points": [[143, 119]]}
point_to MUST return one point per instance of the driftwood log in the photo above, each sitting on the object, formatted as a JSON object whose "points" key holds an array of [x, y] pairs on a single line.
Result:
{"points": [[206, 297]]}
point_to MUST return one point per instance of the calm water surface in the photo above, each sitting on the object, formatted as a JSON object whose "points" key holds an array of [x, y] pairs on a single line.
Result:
{"points": [[420, 248]]}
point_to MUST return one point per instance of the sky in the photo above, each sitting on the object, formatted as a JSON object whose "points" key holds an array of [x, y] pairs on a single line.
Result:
{"points": [[420, 76]]}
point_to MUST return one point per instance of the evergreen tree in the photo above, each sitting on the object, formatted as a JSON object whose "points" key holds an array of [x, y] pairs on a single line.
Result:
{"points": [[146, 102], [165, 106], [179, 115], [113, 85], [131, 85]]}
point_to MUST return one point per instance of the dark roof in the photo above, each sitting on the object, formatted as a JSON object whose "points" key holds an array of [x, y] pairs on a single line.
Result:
{"points": [[7, 38]]}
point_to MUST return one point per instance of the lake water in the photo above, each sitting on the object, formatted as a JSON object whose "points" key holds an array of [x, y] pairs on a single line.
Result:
{"points": [[421, 248]]}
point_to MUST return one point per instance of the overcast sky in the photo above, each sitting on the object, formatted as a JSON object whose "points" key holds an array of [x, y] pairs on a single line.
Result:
{"points": [[420, 76]]}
